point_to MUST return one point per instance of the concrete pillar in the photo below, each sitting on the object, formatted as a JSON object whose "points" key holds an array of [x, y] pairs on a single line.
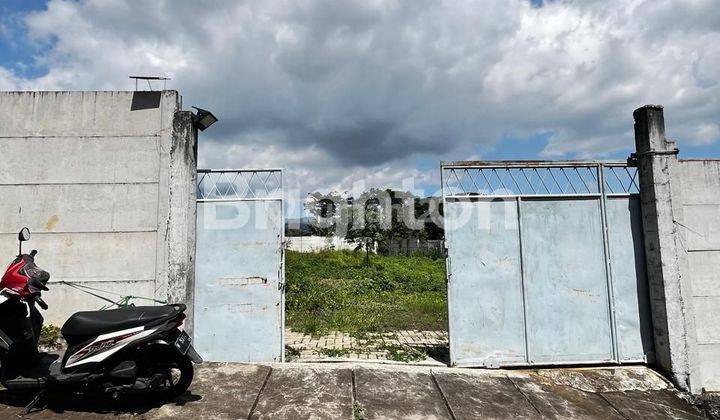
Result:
{"points": [[670, 297], [182, 219]]}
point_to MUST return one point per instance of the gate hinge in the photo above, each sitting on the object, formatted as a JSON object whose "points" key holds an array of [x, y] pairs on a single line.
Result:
{"points": [[281, 270], [448, 269]]}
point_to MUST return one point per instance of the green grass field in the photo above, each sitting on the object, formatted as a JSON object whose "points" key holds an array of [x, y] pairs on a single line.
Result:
{"points": [[334, 291]]}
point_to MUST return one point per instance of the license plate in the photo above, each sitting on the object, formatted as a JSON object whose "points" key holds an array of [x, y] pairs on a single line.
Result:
{"points": [[182, 343]]}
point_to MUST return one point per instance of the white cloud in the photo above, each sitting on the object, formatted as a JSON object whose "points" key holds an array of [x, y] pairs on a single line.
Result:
{"points": [[339, 89], [310, 169], [8, 81], [706, 134]]}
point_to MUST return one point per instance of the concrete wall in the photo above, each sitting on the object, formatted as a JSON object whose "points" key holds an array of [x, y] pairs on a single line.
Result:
{"points": [[408, 246], [698, 225], [316, 243], [106, 183], [681, 222], [322, 243]]}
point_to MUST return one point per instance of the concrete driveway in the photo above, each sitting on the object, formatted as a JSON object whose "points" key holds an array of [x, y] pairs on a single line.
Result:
{"points": [[376, 391]]}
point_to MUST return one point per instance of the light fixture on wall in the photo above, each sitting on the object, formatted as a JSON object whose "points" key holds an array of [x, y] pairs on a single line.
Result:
{"points": [[203, 119]]}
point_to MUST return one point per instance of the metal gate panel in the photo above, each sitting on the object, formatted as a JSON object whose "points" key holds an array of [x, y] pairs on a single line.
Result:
{"points": [[574, 257], [486, 272], [239, 280], [568, 318], [627, 256]]}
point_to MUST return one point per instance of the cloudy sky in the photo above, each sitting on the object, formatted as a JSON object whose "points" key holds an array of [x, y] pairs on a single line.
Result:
{"points": [[382, 90]]}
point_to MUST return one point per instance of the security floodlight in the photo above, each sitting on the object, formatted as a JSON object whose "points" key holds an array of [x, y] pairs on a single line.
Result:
{"points": [[203, 119]]}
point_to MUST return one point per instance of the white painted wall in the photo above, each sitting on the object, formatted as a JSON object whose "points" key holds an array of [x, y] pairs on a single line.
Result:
{"points": [[317, 243]]}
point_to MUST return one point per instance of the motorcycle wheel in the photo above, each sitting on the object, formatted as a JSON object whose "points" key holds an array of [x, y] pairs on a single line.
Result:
{"points": [[173, 370]]}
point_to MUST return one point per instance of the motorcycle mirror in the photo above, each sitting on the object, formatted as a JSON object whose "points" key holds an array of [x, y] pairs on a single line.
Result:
{"points": [[24, 235]]}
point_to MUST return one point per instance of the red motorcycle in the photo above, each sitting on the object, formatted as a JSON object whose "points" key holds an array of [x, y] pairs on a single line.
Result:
{"points": [[138, 350]]}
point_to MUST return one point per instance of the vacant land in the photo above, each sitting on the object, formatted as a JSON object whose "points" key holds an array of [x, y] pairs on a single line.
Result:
{"points": [[336, 291]]}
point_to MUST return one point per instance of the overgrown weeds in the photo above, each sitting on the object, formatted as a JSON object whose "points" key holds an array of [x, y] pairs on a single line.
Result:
{"points": [[335, 352], [431, 253], [49, 337], [401, 353], [358, 411], [335, 291], [291, 352]]}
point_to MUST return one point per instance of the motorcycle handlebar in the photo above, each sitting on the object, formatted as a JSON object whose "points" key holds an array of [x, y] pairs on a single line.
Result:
{"points": [[41, 303], [33, 253]]}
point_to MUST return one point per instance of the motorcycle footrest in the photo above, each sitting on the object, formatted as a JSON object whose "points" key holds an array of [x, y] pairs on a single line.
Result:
{"points": [[24, 383], [67, 378]]}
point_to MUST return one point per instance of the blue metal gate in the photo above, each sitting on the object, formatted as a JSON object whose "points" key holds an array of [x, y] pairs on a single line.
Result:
{"points": [[545, 263], [239, 275]]}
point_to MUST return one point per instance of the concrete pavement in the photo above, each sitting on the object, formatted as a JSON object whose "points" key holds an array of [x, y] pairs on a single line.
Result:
{"points": [[372, 391]]}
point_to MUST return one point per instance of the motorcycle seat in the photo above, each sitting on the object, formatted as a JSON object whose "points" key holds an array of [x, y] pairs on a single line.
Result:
{"points": [[83, 325]]}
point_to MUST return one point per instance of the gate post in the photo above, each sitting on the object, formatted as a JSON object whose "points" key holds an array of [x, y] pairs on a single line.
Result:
{"points": [[670, 294], [182, 215]]}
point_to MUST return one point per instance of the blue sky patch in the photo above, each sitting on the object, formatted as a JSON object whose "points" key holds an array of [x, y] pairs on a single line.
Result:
{"points": [[16, 51]]}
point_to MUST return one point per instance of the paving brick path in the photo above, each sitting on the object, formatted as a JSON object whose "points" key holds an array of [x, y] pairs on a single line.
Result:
{"points": [[405, 346]]}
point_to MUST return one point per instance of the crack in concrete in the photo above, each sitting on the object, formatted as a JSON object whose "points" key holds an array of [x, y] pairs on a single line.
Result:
{"points": [[442, 394], [257, 397]]}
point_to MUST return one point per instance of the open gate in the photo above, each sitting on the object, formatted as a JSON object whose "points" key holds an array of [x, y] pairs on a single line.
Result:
{"points": [[239, 275], [545, 263]]}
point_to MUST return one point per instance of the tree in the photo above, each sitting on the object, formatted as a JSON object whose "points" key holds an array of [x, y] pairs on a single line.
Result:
{"points": [[375, 219], [429, 212], [371, 219], [328, 213]]}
